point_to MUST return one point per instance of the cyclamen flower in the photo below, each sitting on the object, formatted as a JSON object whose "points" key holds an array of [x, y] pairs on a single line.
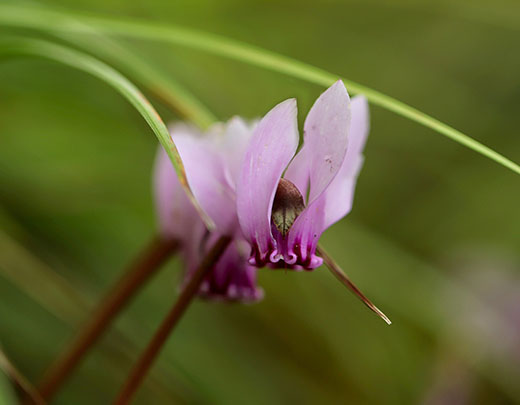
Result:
{"points": [[283, 218], [237, 169], [211, 162]]}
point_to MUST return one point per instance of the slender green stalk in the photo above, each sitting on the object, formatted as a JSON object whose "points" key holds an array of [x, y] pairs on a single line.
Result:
{"points": [[89, 64], [153, 79], [56, 21]]}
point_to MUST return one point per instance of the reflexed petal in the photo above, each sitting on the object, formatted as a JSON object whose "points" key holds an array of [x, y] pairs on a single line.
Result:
{"points": [[270, 149], [232, 277], [325, 137], [340, 193], [174, 211], [336, 201], [234, 144], [205, 174]]}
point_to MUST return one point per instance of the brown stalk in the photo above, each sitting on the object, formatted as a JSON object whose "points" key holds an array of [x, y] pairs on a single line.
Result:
{"points": [[146, 265], [139, 371]]}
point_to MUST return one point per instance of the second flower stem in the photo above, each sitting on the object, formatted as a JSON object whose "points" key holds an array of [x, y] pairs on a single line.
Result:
{"points": [[149, 261], [146, 360]]}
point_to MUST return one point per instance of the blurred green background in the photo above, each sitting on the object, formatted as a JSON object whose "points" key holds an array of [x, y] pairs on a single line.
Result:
{"points": [[76, 207]]}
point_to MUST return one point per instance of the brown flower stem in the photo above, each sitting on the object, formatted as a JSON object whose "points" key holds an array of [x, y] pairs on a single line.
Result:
{"points": [[148, 262], [139, 371], [26, 389], [341, 276]]}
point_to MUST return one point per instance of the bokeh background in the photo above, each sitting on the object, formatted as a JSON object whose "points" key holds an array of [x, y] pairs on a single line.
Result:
{"points": [[433, 239]]}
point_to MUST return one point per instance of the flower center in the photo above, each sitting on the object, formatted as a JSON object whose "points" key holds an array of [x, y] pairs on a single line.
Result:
{"points": [[288, 204]]}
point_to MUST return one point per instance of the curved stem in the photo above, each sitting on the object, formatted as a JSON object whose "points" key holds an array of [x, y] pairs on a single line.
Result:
{"points": [[150, 260], [157, 82], [341, 276], [53, 21], [44, 49], [146, 360]]}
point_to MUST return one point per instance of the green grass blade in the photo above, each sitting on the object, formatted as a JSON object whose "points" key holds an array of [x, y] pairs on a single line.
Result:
{"points": [[55, 21], [88, 64], [154, 80]]}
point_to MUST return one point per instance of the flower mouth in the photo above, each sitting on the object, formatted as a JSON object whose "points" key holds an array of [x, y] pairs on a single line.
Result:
{"points": [[287, 205], [285, 250]]}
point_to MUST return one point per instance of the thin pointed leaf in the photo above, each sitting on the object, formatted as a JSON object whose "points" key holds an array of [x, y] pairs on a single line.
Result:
{"points": [[345, 280], [88, 64], [156, 81], [55, 21]]}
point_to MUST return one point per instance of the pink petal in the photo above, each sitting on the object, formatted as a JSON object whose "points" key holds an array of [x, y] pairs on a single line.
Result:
{"points": [[205, 174], [270, 149], [232, 278], [336, 201], [235, 139], [174, 211], [340, 193], [325, 137]]}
